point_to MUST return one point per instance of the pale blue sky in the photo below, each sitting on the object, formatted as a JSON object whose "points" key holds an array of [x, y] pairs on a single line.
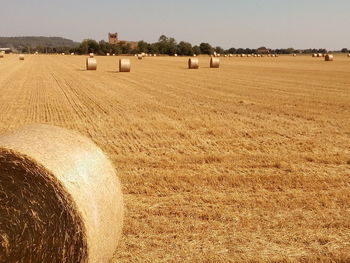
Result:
{"points": [[228, 23]]}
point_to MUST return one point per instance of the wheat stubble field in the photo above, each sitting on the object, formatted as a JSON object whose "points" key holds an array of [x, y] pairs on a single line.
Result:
{"points": [[246, 163]]}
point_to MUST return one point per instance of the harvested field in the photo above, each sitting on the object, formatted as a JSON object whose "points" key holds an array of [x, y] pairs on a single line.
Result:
{"points": [[248, 163]]}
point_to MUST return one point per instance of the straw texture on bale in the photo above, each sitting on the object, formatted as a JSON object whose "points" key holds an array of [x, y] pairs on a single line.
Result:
{"points": [[328, 57], [214, 62], [21, 57], [91, 64], [124, 65], [193, 63], [60, 198]]}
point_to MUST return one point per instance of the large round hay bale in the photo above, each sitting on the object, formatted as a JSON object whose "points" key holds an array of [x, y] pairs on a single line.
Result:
{"points": [[91, 64], [124, 65], [328, 57], [314, 55], [1, 54], [108, 54], [294, 55], [21, 57], [91, 55], [348, 55], [319, 55], [175, 55], [214, 63], [61, 200], [193, 63], [140, 57]]}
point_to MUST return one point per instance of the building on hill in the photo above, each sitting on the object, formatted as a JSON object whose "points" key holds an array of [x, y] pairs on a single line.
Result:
{"points": [[7, 50], [263, 50], [113, 40]]}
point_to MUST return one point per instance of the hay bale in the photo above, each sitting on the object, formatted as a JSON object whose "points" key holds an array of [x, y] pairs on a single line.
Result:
{"points": [[175, 55], [348, 55], [214, 63], [113, 54], [194, 55], [1, 55], [61, 200], [108, 54], [314, 55], [328, 57], [319, 55], [294, 55], [72, 54], [140, 57], [193, 63], [91, 55], [124, 65], [91, 64], [21, 57]]}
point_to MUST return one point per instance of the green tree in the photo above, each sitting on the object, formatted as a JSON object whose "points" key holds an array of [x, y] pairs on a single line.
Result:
{"points": [[206, 48], [184, 49]]}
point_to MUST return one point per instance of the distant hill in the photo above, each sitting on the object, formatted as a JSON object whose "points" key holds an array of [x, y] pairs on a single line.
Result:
{"points": [[32, 41]]}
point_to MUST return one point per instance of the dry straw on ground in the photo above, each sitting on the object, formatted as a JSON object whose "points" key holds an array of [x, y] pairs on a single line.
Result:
{"points": [[214, 62], [91, 64], [60, 198], [328, 57], [193, 63], [124, 65]]}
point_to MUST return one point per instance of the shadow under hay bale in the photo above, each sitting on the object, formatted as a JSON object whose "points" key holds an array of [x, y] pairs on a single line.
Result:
{"points": [[60, 198]]}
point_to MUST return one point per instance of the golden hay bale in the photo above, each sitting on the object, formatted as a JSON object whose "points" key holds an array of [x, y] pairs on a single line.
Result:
{"points": [[21, 57], [193, 63], [1, 55], [108, 54], [175, 55], [154, 55], [140, 57], [113, 54], [91, 55], [348, 55], [328, 57], [314, 55], [194, 55], [61, 200], [124, 65], [319, 55], [294, 55], [63, 54], [72, 54], [214, 63], [91, 64]]}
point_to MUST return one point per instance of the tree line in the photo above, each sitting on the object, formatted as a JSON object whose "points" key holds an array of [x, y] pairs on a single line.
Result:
{"points": [[165, 45]]}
